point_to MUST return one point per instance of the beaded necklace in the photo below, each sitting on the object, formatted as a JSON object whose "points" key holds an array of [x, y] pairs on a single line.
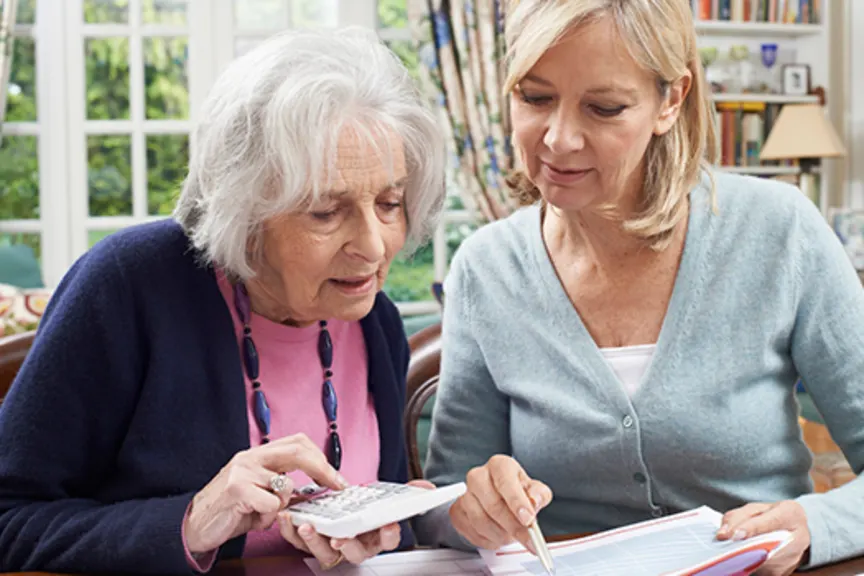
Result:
{"points": [[261, 408]]}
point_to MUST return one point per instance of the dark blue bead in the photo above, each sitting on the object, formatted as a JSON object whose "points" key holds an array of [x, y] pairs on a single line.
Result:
{"points": [[334, 451], [250, 358], [325, 349], [262, 412], [328, 398]]}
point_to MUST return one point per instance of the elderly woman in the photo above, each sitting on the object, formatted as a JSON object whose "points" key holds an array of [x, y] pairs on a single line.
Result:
{"points": [[663, 312], [173, 395]]}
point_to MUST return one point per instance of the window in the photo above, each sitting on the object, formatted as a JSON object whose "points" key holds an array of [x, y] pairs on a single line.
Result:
{"points": [[129, 113], [410, 280], [20, 201]]}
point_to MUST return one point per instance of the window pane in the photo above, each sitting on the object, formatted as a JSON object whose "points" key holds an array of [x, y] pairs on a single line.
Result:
{"points": [[166, 79], [243, 45], [392, 14], [34, 241], [107, 78], [167, 161], [261, 14], [21, 95], [410, 278], [171, 12], [109, 175], [406, 52], [94, 236], [314, 13], [106, 11], [26, 12], [19, 178]]}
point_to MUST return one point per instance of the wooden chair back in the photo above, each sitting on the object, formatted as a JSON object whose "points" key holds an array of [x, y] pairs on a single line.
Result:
{"points": [[422, 382], [425, 362], [413, 414]]}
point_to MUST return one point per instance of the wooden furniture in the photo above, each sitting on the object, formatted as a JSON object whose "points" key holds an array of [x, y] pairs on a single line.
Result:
{"points": [[411, 422], [13, 350], [294, 566], [425, 361]]}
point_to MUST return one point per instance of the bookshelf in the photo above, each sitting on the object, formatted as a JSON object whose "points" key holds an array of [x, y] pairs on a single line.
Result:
{"points": [[766, 98], [762, 170], [799, 29], [758, 29]]}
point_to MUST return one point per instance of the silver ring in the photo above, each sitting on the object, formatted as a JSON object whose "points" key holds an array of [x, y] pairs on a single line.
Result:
{"points": [[279, 482]]}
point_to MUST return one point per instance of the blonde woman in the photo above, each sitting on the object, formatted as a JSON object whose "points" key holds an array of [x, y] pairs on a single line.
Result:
{"points": [[630, 342]]}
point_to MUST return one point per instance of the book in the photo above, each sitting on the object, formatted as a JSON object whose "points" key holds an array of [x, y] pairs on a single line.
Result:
{"points": [[678, 545]]}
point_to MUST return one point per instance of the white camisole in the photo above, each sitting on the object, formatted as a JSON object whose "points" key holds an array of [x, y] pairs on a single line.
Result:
{"points": [[630, 363]]}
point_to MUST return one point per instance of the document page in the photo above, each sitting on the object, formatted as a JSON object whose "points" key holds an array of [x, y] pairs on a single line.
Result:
{"points": [[416, 563], [679, 545]]}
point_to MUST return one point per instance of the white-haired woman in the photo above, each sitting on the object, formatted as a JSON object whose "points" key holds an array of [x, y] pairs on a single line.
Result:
{"points": [[187, 373], [632, 340]]}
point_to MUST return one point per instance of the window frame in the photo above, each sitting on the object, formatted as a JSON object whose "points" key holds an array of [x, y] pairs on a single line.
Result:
{"points": [[137, 126]]}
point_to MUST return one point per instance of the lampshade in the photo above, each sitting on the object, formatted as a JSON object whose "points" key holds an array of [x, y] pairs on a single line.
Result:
{"points": [[802, 131]]}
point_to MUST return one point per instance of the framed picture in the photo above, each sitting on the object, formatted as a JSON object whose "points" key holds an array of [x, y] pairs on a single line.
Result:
{"points": [[848, 224], [796, 79]]}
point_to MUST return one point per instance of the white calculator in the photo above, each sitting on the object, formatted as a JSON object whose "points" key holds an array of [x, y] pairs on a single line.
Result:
{"points": [[360, 509]]}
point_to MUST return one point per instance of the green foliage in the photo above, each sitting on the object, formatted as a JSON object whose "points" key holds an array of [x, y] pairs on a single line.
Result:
{"points": [[25, 13], [392, 13], [410, 278], [109, 175]]}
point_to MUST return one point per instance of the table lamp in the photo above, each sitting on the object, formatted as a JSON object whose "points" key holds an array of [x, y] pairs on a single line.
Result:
{"points": [[802, 132]]}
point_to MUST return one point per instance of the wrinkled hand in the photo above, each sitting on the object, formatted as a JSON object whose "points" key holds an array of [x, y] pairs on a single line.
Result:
{"points": [[239, 499], [759, 518], [330, 551], [500, 503]]}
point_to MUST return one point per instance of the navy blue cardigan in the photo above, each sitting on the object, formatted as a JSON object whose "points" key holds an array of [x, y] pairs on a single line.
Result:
{"points": [[132, 399]]}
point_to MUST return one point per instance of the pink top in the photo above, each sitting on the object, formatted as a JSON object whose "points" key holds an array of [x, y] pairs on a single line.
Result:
{"points": [[291, 377]]}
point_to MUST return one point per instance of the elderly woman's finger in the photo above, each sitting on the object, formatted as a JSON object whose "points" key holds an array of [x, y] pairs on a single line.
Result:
{"points": [[289, 532], [422, 484], [290, 456], [388, 537], [319, 546], [734, 518]]}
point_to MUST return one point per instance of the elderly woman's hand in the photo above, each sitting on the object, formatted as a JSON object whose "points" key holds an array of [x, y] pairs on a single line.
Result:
{"points": [[499, 505], [240, 498], [760, 518]]}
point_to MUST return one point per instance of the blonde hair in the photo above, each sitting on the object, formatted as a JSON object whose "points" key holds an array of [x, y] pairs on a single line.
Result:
{"points": [[660, 36]]}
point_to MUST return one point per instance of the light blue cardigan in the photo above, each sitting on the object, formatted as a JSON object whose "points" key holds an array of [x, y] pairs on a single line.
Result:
{"points": [[764, 293]]}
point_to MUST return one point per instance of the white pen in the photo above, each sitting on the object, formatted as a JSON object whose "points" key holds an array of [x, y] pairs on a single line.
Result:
{"points": [[540, 546]]}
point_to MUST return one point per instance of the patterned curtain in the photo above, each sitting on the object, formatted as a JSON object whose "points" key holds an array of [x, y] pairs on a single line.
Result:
{"points": [[461, 49], [7, 21]]}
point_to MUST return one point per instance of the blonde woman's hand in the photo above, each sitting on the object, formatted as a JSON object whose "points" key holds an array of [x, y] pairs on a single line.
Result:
{"points": [[759, 518], [239, 498], [500, 503]]}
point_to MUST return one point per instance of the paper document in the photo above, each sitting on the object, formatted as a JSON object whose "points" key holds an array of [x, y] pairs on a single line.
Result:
{"points": [[416, 563], [679, 545]]}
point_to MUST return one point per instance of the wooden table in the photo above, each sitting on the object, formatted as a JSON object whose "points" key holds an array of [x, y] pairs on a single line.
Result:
{"points": [[294, 566]]}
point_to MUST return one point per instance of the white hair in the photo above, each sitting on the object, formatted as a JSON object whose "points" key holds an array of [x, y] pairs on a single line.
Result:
{"points": [[268, 131]]}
